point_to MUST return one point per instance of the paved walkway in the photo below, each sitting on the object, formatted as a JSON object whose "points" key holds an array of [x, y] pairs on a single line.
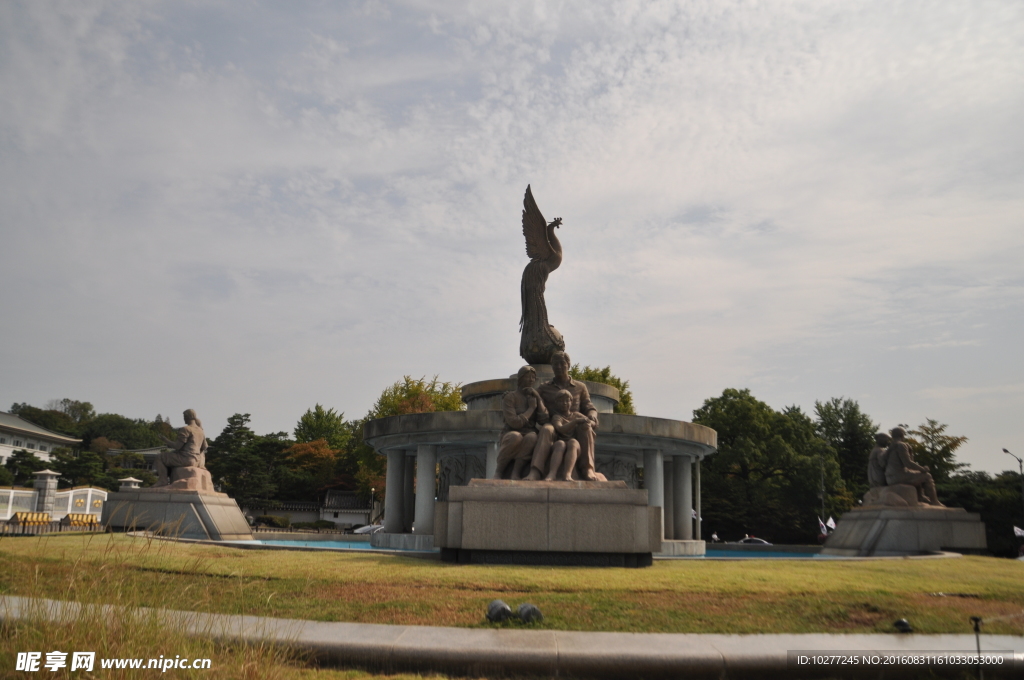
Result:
{"points": [[496, 652]]}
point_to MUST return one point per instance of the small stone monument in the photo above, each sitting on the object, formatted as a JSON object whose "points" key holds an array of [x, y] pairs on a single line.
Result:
{"points": [[183, 503], [901, 513]]}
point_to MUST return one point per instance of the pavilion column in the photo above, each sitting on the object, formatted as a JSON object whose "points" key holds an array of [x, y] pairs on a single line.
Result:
{"points": [[654, 480], [394, 493], [491, 466], [684, 499], [696, 500], [669, 471], [426, 486], [408, 497]]}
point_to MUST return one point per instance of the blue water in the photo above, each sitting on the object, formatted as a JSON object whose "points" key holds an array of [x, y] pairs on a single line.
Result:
{"points": [[779, 554]]}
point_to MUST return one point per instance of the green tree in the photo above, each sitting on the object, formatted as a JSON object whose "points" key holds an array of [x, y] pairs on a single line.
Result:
{"points": [[22, 464], [405, 396], [320, 423], [87, 468], [935, 449], [410, 395], [996, 499], [80, 412], [765, 477], [851, 433], [251, 468], [604, 375], [230, 444], [6, 477], [132, 433], [55, 421]]}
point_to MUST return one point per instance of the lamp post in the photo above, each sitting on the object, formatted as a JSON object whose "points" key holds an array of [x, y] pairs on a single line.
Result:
{"points": [[1021, 463], [371, 504]]}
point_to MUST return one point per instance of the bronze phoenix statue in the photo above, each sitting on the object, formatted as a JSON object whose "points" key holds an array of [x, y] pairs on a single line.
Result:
{"points": [[539, 338]]}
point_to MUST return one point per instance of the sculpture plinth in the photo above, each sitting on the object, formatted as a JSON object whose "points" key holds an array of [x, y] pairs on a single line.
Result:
{"points": [[883, 531], [498, 521], [181, 513]]}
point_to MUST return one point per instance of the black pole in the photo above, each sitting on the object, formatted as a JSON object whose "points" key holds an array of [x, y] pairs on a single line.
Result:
{"points": [[1020, 462], [976, 620]]}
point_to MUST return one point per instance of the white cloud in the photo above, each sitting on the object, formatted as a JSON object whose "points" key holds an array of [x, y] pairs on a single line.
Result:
{"points": [[304, 204]]}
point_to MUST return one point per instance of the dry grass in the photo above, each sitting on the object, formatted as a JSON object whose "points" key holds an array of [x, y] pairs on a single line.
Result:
{"points": [[97, 569], [672, 596]]}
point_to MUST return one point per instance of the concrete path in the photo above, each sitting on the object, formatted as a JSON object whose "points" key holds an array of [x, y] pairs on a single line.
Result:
{"points": [[499, 652]]}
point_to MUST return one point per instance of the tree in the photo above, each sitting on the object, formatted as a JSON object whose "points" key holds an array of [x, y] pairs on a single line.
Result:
{"points": [[327, 424], [765, 477], [80, 412], [318, 460], [936, 450], [88, 468], [55, 421], [251, 468], [22, 464], [132, 433], [230, 444], [417, 396], [101, 445], [852, 434], [604, 375], [996, 499], [405, 396]]}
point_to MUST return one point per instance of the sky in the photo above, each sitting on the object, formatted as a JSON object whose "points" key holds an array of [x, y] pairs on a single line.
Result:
{"points": [[255, 207]]}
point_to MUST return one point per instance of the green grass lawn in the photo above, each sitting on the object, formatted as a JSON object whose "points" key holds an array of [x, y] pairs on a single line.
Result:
{"points": [[755, 596]]}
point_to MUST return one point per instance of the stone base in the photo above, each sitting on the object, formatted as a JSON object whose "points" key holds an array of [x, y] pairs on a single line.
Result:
{"points": [[183, 514], [688, 548], [502, 519], [895, 496], [190, 479], [909, 531], [402, 541], [547, 558]]}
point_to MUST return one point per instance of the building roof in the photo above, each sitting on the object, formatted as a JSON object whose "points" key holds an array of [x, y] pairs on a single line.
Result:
{"points": [[344, 500], [9, 421]]}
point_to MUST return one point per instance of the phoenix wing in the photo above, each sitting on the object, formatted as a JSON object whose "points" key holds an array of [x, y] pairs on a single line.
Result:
{"points": [[535, 229]]}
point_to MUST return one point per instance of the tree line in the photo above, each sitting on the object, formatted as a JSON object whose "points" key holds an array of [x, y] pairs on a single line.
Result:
{"points": [[774, 473]]}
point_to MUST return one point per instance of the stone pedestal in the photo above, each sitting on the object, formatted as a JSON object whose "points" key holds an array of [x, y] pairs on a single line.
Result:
{"points": [[501, 521], [183, 513], [881, 531], [402, 541], [683, 548], [190, 479]]}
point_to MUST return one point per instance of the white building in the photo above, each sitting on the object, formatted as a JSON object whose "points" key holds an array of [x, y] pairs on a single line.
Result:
{"points": [[17, 434]]}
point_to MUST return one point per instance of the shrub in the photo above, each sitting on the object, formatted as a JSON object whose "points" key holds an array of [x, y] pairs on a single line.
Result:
{"points": [[273, 521]]}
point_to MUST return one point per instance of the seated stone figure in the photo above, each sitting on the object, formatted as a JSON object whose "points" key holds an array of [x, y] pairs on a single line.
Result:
{"points": [[900, 468], [524, 413], [876, 461], [185, 457], [584, 433], [566, 449]]}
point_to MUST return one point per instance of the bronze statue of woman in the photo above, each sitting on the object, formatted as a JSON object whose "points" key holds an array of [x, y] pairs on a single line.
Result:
{"points": [[539, 338]]}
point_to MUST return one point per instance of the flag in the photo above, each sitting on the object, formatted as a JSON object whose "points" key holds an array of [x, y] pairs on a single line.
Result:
{"points": [[1017, 531], [821, 527], [831, 523]]}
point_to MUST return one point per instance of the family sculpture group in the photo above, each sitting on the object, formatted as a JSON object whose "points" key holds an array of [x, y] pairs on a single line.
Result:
{"points": [[891, 466], [549, 429]]}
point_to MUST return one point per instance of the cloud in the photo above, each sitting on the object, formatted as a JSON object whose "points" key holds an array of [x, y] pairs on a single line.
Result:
{"points": [[809, 200]]}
